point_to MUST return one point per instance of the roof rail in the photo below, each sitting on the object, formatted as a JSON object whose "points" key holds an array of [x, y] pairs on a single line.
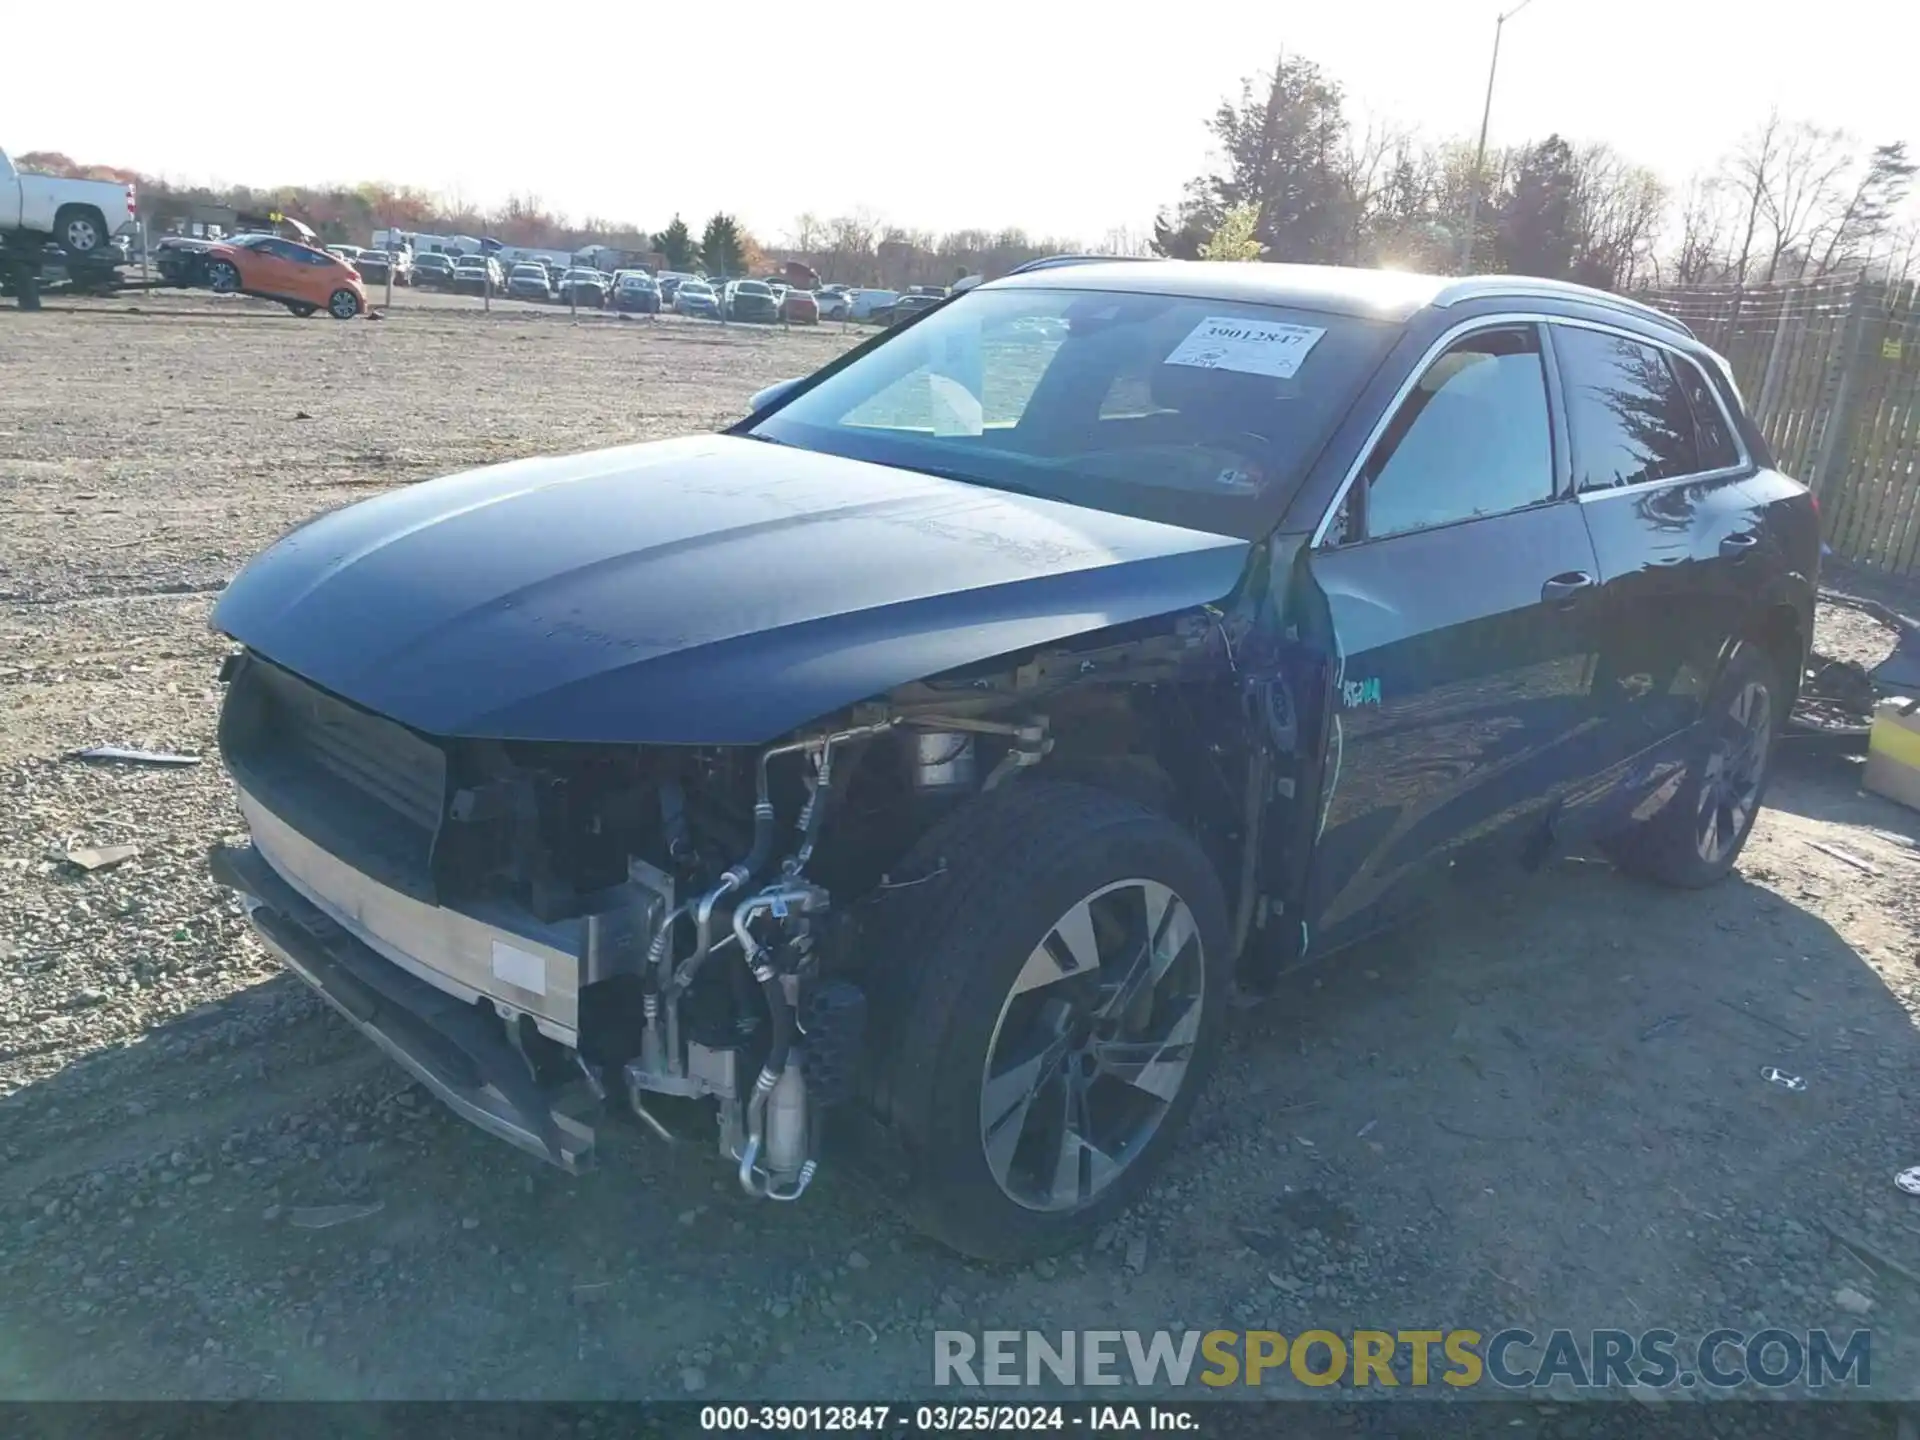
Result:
{"points": [[1055, 262], [1479, 287]]}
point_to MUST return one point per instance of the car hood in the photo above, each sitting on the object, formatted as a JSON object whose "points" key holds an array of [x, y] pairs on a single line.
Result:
{"points": [[712, 590]]}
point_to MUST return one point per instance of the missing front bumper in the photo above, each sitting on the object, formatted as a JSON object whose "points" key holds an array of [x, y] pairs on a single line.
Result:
{"points": [[456, 1049]]}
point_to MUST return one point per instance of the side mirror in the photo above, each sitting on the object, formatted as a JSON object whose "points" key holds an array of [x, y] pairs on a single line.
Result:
{"points": [[772, 395]]}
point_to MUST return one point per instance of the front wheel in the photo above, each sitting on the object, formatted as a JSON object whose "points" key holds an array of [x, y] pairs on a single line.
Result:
{"points": [[223, 277], [1695, 837], [1053, 972], [343, 304]]}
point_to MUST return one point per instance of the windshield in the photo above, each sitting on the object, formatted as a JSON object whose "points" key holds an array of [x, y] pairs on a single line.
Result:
{"points": [[752, 287], [1165, 406]]}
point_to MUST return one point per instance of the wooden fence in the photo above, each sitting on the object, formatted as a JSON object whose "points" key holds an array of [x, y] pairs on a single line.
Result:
{"points": [[1831, 371]]}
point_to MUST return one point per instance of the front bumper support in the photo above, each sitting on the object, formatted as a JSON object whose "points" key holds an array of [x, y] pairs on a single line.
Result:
{"points": [[457, 1050]]}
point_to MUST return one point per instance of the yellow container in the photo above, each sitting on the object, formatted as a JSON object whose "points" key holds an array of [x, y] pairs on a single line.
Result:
{"points": [[1893, 754]]}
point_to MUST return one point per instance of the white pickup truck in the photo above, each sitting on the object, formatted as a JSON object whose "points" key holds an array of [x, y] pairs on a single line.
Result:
{"points": [[78, 215]]}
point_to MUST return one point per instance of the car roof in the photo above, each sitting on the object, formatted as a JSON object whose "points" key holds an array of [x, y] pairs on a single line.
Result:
{"points": [[1395, 295]]}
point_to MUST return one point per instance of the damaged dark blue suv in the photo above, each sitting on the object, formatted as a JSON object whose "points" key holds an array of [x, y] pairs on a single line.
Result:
{"points": [[912, 771]]}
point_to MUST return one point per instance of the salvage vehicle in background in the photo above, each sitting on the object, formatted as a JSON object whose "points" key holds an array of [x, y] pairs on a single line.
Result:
{"points": [[913, 771], [696, 297], [750, 300], [182, 259], [906, 307], [433, 270], [636, 292], [478, 275], [374, 266], [80, 216], [528, 281], [799, 307], [298, 276], [583, 287]]}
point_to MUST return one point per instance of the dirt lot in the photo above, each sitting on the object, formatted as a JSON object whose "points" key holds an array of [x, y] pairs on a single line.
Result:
{"points": [[1543, 1109]]}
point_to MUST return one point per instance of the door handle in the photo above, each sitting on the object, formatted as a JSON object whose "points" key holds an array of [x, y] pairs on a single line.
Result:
{"points": [[1739, 546], [1564, 589]]}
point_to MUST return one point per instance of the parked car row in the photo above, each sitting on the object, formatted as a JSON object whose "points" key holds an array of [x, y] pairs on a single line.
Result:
{"points": [[766, 301]]}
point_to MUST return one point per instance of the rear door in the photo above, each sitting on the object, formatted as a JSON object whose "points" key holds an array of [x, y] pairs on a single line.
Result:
{"points": [[1678, 534], [1457, 578]]}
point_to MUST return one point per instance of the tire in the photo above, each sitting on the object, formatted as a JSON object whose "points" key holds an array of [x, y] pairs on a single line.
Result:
{"points": [[80, 230], [223, 277], [1694, 839], [302, 310], [343, 304], [992, 1034]]}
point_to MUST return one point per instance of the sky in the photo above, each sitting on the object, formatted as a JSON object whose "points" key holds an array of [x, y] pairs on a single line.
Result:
{"points": [[1065, 118]]}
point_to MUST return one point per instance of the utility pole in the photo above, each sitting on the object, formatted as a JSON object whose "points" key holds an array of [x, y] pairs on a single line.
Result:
{"points": [[1480, 151]]}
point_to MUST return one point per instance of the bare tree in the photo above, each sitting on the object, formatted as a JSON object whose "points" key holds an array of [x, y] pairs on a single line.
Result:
{"points": [[1125, 240], [1706, 219], [1870, 206], [1752, 173], [808, 236], [1805, 194], [1617, 209]]}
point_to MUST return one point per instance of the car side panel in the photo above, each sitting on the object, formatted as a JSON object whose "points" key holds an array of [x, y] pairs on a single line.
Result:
{"points": [[1687, 568]]}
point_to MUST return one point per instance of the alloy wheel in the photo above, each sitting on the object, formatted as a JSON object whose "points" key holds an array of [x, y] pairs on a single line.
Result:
{"points": [[222, 278], [343, 305], [1092, 1045], [1735, 766]]}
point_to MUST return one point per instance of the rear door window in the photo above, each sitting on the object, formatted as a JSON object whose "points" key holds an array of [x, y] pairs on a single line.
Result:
{"points": [[1627, 417]]}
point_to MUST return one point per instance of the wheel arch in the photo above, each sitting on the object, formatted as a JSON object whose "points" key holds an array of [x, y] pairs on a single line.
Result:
{"points": [[1780, 631]]}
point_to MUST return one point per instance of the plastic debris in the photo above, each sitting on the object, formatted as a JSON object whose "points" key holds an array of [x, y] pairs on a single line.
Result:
{"points": [[1908, 1180], [1774, 1075], [121, 755], [101, 857], [325, 1217]]}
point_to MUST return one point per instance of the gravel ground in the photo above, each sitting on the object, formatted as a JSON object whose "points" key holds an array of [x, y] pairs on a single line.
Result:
{"points": [[1543, 1108]]}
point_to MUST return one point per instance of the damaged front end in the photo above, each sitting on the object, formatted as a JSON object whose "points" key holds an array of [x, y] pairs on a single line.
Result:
{"points": [[532, 928]]}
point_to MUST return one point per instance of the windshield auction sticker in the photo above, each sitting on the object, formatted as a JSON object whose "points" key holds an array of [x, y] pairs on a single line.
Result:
{"points": [[1255, 347]]}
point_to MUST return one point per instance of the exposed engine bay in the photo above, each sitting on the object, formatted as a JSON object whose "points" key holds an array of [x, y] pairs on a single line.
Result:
{"points": [[673, 929]]}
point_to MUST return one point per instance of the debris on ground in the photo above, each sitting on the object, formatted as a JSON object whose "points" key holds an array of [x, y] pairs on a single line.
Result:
{"points": [[100, 857], [121, 755], [1845, 857], [325, 1217]]}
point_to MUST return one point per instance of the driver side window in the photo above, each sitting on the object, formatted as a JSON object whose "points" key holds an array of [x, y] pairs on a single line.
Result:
{"points": [[1471, 439]]}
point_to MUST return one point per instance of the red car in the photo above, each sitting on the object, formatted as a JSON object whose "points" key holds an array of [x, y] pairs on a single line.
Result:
{"points": [[300, 277], [800, 308]]}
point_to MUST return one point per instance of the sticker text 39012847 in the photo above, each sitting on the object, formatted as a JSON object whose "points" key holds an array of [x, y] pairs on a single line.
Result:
{"points": [[1255, 347]]}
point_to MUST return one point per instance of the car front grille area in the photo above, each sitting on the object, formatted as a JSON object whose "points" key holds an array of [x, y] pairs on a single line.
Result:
{"points": [[366, 789]]}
